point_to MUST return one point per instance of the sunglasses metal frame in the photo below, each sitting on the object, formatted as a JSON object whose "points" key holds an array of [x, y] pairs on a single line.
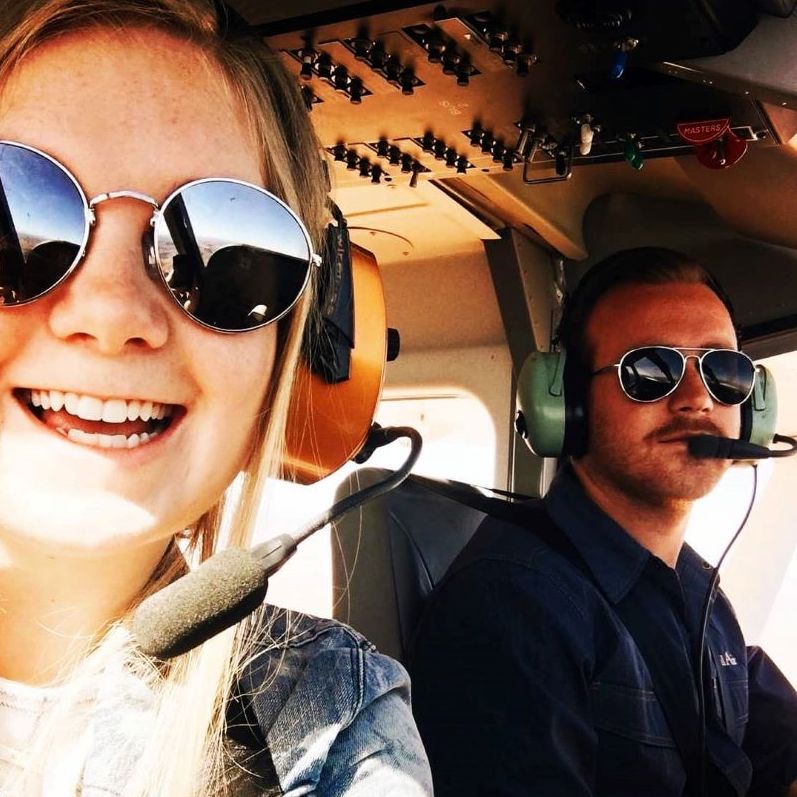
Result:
{"points": [[685, 359], [152, 261]]}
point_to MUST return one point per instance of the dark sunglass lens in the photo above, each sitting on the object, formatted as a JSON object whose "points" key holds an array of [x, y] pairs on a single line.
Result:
{"points": [[651, 373], [42, 224], [233, 256], [729, 376]]}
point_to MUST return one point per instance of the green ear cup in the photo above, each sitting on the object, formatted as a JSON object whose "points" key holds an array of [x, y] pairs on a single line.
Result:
{"points": [[763, 408], [541, 403]]}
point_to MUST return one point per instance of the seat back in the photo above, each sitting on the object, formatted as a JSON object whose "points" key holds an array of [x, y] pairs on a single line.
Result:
{"points": [[389, 555]]}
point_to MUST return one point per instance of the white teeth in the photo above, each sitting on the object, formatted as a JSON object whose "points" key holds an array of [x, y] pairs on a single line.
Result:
{"points": [[90, 408], [56, 400], [114, 411], [133, 408], [108, 440]]}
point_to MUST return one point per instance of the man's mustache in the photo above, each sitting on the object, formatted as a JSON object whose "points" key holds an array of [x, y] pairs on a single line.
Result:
{"points": [[676, 429]]}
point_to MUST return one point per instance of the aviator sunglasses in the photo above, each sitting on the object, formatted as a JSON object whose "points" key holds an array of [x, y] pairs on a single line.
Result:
{"points": [[651, 373], [233, 256]]}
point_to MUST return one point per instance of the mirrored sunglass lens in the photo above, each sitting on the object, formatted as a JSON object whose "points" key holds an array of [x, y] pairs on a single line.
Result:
{"points": [[651, 373], [42, 224], [729, 376], [233, 256]]}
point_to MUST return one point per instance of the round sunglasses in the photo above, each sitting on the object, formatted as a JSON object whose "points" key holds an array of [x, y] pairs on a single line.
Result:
{"points": [[233, 256], [651, 373]]}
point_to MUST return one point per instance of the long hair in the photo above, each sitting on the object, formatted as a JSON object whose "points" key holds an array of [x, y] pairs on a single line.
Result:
{"points": [[185, 754]]}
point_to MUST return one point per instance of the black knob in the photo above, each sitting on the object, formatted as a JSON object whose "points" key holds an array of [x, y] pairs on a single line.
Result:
{"points": [[498, 152], [407, 163], [439, 150], [365, 168], [382, 147], [308, 56], [463, 75], [428, 141], [435, 47], [340, 78], [376, 173], [394, 156], [378, 56], [352, 159], [393, 344], [362, 48], [510, 52], [560, 159], [324, 66], [462, 165], [356, 91], [475, 135], [451, 158], [407, 82], [339, 152], [508, 160], [393, 68], [451, 61], [496, 39], [487, 142]]}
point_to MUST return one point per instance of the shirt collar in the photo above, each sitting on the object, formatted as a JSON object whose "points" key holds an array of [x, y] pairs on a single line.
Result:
{"points": [[615, 559]]}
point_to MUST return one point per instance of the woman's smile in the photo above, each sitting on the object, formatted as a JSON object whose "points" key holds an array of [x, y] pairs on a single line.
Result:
{"points": [[112, 423]]}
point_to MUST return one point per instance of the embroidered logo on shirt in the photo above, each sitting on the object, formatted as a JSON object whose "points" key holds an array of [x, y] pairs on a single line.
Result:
{"points": [[727, 660]]}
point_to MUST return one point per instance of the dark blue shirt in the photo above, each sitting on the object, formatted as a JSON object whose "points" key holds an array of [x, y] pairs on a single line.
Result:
{"points": [[526, 682]]}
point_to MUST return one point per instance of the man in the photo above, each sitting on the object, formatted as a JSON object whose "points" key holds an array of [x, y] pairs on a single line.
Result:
{"points": [[526, 678]]}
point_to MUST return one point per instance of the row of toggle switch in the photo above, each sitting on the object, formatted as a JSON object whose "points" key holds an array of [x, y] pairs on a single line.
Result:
{"points": [[321, 65]]}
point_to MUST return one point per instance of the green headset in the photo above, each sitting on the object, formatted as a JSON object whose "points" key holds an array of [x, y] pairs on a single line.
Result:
{"points": [[554, 424], [552, 388]]}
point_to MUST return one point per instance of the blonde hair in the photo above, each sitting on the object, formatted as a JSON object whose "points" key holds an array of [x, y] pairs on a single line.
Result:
{"points": [[185, 754]]}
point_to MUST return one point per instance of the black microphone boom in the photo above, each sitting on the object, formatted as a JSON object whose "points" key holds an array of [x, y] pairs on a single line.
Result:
{"points": [[232, 583], [707, 446]]}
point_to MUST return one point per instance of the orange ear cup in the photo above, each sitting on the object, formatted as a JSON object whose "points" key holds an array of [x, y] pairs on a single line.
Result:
{"points": [[328, 423]]}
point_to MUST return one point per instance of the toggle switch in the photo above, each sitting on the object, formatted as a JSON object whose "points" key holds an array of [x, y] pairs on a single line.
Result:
{"points": [[307, 56], [356, 91], [362, 48], [352, 159], [407, 82], [323, 66]]}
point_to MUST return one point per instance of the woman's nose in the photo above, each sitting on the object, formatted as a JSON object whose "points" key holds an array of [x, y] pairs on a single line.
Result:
{"points": [[110, 303]]}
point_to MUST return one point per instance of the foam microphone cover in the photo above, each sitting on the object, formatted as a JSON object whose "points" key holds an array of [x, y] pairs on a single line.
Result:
{"points": [[219, 593]]}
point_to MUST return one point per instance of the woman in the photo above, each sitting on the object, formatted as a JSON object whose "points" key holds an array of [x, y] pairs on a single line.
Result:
{"points": [[132, 395]]}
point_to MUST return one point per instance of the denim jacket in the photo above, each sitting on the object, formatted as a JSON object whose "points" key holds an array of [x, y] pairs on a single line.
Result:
{"points": [[318, 711]]}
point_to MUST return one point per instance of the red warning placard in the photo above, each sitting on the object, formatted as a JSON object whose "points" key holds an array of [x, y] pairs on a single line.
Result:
{"points": [[703, 132]]}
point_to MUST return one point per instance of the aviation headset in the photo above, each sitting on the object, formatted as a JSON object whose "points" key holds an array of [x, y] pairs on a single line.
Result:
{"points": [[339, 379], [552, 386]]}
